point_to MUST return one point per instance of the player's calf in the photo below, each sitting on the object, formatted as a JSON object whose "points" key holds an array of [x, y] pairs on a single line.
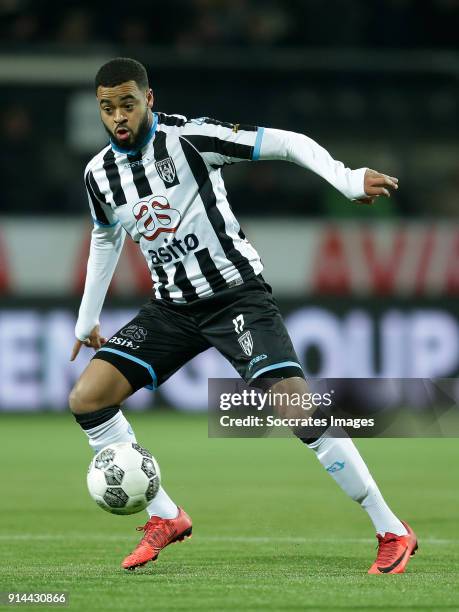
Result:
{"points": [[288, 399], [283, 391], [343, 462], [95, 403]]}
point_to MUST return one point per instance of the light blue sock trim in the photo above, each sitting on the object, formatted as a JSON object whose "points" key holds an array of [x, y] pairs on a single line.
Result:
{"points": [[275, 366], [257, 146], [137, 360]]}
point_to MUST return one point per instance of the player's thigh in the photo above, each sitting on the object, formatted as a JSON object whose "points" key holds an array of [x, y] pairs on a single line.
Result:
{"points": [[99, 386], [250, 332], [153, 345]]}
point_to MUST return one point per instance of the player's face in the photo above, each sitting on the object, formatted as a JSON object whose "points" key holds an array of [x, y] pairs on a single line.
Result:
{"points": [[125, 113]]}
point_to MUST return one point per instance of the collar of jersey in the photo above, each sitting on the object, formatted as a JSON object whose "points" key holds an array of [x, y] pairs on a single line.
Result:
{"points": [[148, 137]]}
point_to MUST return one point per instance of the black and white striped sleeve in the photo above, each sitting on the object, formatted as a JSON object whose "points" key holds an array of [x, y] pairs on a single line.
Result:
{"points": [[223, 143], [102, 214]]}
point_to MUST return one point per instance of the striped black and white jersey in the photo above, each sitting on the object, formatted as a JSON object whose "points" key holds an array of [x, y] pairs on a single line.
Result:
{"points": [[170, 198]]}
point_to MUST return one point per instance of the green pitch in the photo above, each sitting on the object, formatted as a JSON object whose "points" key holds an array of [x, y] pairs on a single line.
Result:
{"points": [[271, 529]]}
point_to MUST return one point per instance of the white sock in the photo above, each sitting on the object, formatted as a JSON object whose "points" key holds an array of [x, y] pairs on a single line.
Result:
{"points": [[118, 429], [343, 462], [162, 505]]}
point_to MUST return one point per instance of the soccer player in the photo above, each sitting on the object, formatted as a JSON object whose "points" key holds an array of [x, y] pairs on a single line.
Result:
{"points": [[159, 181]]}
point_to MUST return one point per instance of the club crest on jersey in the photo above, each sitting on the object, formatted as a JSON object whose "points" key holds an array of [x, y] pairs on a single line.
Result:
{"points": [[246, 343], [166, 169], [156, 216]]}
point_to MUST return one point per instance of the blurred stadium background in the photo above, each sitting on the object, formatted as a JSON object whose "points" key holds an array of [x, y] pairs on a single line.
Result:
{"points": [[366, 291]]}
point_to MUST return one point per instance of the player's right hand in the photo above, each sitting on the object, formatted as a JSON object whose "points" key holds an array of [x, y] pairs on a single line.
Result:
{"points": [[377, 184], [95, 340]]}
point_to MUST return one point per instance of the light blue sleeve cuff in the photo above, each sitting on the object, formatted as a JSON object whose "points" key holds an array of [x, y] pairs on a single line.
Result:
{"points": [[257, 146], [100, 224]]}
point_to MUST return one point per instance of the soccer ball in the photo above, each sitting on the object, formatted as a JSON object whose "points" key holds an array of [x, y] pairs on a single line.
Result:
{"points": [[123, 478]]}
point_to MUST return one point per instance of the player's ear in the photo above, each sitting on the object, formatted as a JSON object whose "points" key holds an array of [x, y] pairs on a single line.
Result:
{"points": [[150, 98]]}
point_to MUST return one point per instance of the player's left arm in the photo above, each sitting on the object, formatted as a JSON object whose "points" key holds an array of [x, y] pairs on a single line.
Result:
{"points": [[362, 185], [220, 143]]}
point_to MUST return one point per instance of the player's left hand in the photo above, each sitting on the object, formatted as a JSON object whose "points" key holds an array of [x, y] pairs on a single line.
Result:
{"points": [[377, 184]]}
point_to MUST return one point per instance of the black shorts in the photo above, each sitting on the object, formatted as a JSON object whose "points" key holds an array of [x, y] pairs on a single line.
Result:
{"points": [[242, 322]]}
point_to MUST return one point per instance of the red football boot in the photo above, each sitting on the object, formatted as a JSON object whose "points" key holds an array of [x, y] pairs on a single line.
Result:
{"points": [[394, 552], [158, 533]]}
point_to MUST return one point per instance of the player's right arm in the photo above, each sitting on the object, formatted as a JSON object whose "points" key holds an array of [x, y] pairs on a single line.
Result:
{"points": [[107, 241]]}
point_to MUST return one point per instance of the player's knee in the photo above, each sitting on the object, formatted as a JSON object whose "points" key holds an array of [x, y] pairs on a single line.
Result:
{"points": [[294, 384], [283, 392], [100, 386], [84, 399]]}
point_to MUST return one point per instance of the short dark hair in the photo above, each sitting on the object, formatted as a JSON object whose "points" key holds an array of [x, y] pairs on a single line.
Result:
{"points": [[120, 70]]}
